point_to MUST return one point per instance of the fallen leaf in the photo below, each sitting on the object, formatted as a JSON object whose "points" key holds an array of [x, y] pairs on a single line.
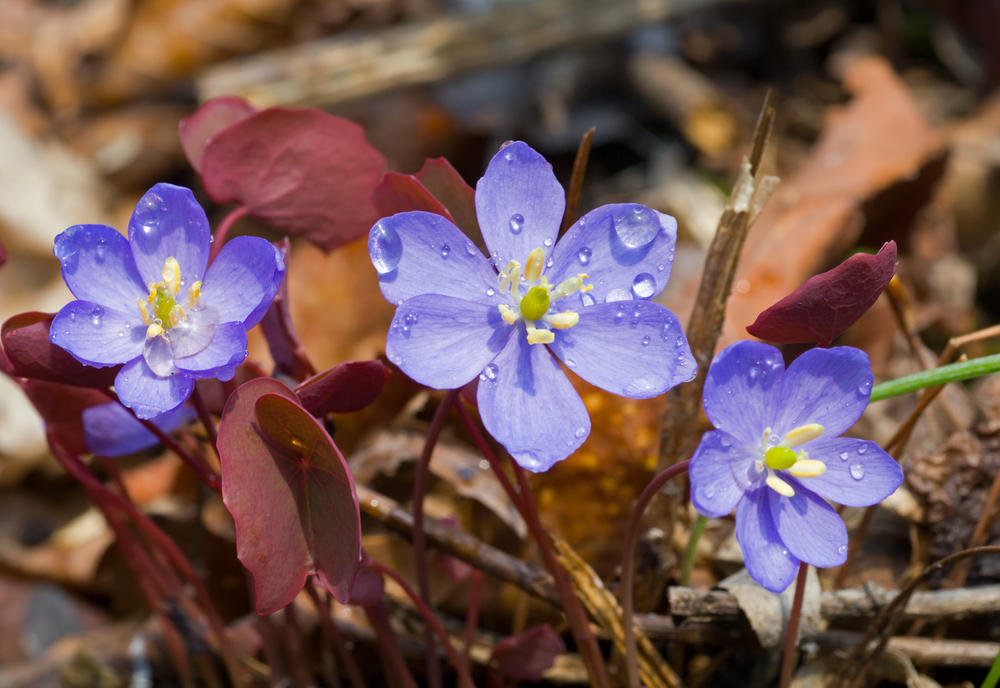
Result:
{"points": [[827, 304], [344, 388]]}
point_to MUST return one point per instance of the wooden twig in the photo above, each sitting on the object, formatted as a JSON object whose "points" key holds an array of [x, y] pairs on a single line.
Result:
{"points": [[923, 651]]}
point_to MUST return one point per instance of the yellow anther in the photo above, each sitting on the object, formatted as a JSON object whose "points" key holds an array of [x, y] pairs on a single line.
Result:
{"points": [[564, 320], [507, 313], [510, 276], [155, 329], [176, 314], [533, 268], [586, 288], [803, 434], [570, 285], [194, 294], [143, 311], [807, 468], [539, 336], [780, 486], [172, 275]]}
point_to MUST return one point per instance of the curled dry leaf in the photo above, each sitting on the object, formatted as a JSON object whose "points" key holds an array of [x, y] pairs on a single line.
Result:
{"points": [[290, 493], [827, 304]]}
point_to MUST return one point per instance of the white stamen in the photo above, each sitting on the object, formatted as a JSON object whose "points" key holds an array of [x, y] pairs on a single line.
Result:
{"points": [[807, 468], [533, 268], [507, 313], [780, 486], [564, 320], [803, 434], [540, 336], [569, 286]]}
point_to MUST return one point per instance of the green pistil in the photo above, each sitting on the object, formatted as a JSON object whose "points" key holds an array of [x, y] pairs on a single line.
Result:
{"points": [[779, 458], [163, 304], [535, 303]]}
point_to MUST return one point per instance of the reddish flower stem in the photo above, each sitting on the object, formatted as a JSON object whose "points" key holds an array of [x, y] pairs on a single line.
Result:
{"points": [[346, 659], [484, 448], [388, 647], [295, 643], [222, 232], [628, 564], [472, 613], [461, 668], [792, 629], [419, 537], [205, 416]]}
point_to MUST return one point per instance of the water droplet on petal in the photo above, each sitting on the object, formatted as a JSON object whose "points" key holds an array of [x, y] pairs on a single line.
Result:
{"points": [[547, 242], [580, 432], [644, 285], [570, 363], [862, 449], [516, 223], [445, 250], [489, 373], [583, 255], [864, 388], [661, 267], [490, 291], [645, 340], [470, 248], [617, 295], [72, 315], [725, 441], [843, 456], [637, 227], [842, 549], [707, 492], [385, 248], [679, 342], [410, 319], [857, 471], [96, 316], [587, 300]]}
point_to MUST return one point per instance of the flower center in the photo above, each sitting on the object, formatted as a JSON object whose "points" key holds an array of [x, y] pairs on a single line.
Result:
{"points": [[160, 310], [534, 306], [779, 456]]}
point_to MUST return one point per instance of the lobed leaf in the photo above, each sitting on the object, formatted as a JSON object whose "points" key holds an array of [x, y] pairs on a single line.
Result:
{"points": [[825, 305], [26, 343], [344, 388], [215, 115]]}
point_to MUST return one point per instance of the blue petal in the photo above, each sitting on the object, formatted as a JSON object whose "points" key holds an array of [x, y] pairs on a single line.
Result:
{"points": [[242, 280], [808, 526], [826, 386], [220, 358], [530, 407], [96, 335], [858, 472], [721, 471], [97, 265], [168, 222], [519, 204], [444, 342], [767, 559], [626, 249], [418, 253], [635, 349], [147, 394], [111, 430], [742, 389]]}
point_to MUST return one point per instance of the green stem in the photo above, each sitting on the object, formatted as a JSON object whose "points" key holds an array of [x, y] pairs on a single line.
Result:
{"points": [[952, 372], [692, 546], [991, 678]]}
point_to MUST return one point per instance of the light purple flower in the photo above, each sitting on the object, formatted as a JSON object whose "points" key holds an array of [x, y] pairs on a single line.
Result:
{"points": [[150, 303], [111, 430], [777, 455], [585, 299]]}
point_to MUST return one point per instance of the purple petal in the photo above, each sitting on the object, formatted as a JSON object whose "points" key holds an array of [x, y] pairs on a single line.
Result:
{"points": [[767, 559], [530, 407], [444, 342], [626, 249], [111, 430], [826, 386], [149, 395], [742, 389], [242, 280], [858, 472], [519, 203], [168, 222], [96, 335], [193, 333], [808, 526], [721, 471], [220, 358], [418, 253], [97, 265], [635, 349]]}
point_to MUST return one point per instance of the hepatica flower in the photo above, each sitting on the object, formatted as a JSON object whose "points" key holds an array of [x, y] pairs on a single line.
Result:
{"points": [[584, 300], [110, 430], [777, 455], [150, 303]]}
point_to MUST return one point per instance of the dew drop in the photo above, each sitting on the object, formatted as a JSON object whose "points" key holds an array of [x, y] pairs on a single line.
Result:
{"points": [[96, 316], [857, 471], [490, 291], [637, 227], [570, 363], [645, 340], [583, 255], [445, 250], [489, 373], [843, 456], [862, 449], [102, 249], [661, 267], [644, 285], [547, 242], [619, 313], [580, 432], [864, 388], [72, 315], [410, 319], [548, 263], [617, 295], [587, 300], [679, 342], [842, 549], [725, 441], [470, 248], [707, 492], [516, 222], [385, 248]]}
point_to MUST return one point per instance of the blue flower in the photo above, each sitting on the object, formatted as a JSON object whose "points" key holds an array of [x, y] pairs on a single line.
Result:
{"points": [[110, 430], [777, 455], [584, 299], [149, 302]]}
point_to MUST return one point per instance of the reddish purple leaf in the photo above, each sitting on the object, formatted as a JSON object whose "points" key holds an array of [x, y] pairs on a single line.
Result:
{"points": [[302, 171], [283, 341], [527, 655], [214, 391], [827, 304], [290, 493], [369, 586], [344, 388], [215, 115], [61, 408], [26, 342], [400, 193], [446, 184]]}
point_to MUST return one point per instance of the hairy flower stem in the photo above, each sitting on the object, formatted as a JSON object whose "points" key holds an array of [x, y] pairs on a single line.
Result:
{"points": [[419, 537], [953, 372], [223, 231], [792, 629], [628, 564], [586, 643], [461, 668]]}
